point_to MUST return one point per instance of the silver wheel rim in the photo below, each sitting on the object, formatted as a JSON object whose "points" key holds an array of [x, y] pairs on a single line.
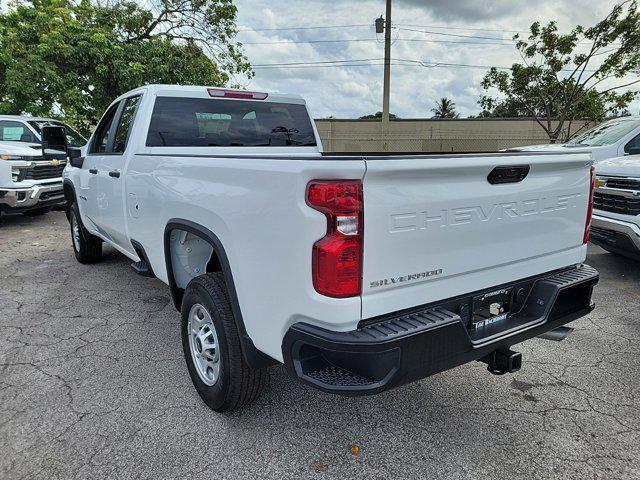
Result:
{"points": [[75, 232], [203, 344]]}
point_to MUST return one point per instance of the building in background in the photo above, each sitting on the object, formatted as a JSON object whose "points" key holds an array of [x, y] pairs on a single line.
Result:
{"points": [[435, 135]]}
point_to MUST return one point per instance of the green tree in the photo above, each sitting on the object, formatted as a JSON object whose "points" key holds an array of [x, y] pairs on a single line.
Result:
{"points": [[445, 108], [71, 58], [507, 108], [562, 76], [378, 116]]}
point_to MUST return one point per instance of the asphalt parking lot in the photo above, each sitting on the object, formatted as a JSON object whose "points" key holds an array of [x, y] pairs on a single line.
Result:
{"points": [[93, 385]]}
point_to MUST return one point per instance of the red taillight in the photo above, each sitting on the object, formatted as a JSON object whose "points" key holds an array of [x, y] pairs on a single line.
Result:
{"points": [[225, 93], [587, 226], [337, 257]]}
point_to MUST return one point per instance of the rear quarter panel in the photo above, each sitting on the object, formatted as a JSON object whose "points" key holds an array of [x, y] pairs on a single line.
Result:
{"points": [[256, 207]]}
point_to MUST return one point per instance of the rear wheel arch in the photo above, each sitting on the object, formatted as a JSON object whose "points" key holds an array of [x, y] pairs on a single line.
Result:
{"points": [[216, 261]]}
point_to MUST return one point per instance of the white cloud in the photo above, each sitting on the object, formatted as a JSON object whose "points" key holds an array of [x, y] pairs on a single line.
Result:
{"points": [[350, 91], [468, 10]]}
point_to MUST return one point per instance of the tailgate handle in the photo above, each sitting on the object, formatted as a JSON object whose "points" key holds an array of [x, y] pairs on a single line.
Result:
{"points": [[508, 174]]}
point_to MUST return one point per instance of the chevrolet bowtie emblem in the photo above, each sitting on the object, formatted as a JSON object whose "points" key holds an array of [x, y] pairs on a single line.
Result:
{"points": [[55, 162], [601, 183]]}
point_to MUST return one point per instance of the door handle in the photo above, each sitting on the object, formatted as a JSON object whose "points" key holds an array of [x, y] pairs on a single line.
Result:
{"points": [[93, 171], [114, 174]]}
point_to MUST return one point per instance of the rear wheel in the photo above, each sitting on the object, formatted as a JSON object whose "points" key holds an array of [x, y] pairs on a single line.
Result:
{"points": [[211, 346], [86, 247]]}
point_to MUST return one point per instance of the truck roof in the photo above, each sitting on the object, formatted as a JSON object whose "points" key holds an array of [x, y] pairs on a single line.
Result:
{"points": [[202, 91], [26, 118]]}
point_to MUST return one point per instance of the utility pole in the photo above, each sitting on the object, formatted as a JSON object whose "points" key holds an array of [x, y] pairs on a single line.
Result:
{"points": [[387, 78]]}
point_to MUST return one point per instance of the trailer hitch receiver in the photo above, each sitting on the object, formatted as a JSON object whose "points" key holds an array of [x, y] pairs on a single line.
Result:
{"points": [[503, 360]]}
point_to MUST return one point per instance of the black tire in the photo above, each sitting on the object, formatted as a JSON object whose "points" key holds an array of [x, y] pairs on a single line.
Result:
{"points": [[36, 212], [86, 247], [237, 384]]}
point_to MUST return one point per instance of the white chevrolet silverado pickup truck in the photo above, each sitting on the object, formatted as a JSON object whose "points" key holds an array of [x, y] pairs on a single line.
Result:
{"points": [[358, 272], [30, 183], [616, 204]]}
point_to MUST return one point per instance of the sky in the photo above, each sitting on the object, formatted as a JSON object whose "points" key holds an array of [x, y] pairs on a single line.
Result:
{"points": [[424, 34]]}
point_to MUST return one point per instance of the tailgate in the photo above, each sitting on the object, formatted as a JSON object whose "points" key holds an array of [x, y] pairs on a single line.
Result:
{"points": [[435, 227]]}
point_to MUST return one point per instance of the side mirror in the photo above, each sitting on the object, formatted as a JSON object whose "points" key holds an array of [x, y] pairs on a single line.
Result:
{"points": [[75, 157], [634, 151], [54, 143]]}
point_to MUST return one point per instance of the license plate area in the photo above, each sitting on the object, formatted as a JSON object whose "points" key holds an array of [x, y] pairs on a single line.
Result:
{"points": [[490, 308]]}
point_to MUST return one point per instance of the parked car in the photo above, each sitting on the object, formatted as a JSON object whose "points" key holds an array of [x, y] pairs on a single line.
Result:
{"points": [[616, 217], [614, 138], [29, 183], [359, 273]]}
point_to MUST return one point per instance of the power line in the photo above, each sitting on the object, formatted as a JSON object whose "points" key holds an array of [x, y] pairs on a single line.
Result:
{"points": [[357, 25], [318, 62], [303, 28], [319, 27], [454, 34], [296, 67], [277, 42], [464, 42], [361, 63], [349, 40], [485, 40], [463, 28], [366, 62], [430, 32]]}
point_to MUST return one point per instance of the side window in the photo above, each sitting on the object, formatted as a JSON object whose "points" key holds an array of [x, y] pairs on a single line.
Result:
{"points": [[15, 132], [124, 124], [101, 136], [635, 143]]}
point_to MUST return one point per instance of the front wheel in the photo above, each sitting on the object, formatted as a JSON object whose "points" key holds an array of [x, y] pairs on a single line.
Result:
{"points": [[86, 247], [211, 346]]}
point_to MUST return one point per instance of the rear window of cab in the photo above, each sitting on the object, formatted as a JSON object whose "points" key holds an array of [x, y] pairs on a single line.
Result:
{"points": [[204, 122]]}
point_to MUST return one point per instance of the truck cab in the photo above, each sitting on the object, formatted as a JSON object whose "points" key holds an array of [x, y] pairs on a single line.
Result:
{"points": [[29, 183]]}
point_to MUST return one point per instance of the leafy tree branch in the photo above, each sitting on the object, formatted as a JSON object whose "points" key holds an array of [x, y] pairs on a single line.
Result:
{"points": [[556, 83]]}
